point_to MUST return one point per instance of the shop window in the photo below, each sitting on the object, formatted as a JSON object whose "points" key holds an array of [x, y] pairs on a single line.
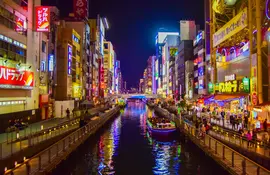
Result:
{"points": [[43, 47]]}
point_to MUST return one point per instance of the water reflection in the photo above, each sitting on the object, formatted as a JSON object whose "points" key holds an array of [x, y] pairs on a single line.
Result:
{"points": [[125, 147], [108, 146]]}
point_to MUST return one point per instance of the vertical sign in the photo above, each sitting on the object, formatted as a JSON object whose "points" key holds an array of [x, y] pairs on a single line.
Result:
{"points": [[42, 19], [51, 60], [69, 58], [80, 8], [254, 97]]}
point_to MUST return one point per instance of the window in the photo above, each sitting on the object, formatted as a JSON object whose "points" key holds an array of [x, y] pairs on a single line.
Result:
{"points": [[43, 47], [106, 46], [78, 53], [8, 19], [12, 52]]}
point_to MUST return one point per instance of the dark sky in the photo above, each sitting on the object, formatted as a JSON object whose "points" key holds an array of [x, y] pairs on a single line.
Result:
{"points": [[134, 24]]}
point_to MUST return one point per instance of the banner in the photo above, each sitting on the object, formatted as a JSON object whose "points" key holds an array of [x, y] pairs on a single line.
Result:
{"points": [[42, 19], [235, 25], [14, 78], [80, 8]]}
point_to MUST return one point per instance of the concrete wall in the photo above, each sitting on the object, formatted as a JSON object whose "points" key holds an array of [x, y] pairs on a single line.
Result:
{"points": [[61, 107]]}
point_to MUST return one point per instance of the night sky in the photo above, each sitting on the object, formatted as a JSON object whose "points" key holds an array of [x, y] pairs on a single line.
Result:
{"points": [[134, 24]]}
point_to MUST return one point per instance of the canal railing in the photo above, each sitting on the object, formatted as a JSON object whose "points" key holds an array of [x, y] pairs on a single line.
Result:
{"points": [[20, 143], [49, 158], [230, 159]]}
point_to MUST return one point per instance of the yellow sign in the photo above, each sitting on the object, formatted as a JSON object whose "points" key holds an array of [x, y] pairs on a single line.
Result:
{"points": [[235, 25]]}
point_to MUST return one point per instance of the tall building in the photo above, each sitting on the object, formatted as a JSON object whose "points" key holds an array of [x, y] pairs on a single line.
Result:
{"points": [[69, 78], [170, 49], [83, 29], [108, 63], [19, 62], [157, 85], [200, 67], [98, 27]]}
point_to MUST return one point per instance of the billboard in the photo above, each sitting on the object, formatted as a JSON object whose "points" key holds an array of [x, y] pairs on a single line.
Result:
{"points": [[15, 78], [102, 35], [42, 19], [69, 58], [80, 8], [235, 25]]}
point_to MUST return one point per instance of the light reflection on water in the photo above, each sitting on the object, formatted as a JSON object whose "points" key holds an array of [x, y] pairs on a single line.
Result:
{"points": [[125, 147]]}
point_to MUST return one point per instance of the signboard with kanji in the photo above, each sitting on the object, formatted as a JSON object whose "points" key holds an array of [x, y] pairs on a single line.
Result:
{"points": [[80, 8], [42, 19], [14, 78]]}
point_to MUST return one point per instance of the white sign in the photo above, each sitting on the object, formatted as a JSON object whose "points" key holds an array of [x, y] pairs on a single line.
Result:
{"points": [[230, 77]]}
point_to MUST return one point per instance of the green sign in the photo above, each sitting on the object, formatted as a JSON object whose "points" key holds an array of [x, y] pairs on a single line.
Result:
{"points": [[230, 86]]}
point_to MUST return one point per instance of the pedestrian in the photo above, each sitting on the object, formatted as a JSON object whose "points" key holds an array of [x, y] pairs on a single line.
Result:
{"points": [[222, 116], [265, 125], [68, 113], [249, 138]]}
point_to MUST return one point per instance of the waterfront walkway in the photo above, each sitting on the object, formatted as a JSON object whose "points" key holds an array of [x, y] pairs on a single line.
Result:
{"points": [[49, 158], [38, 132], [233, 161]]}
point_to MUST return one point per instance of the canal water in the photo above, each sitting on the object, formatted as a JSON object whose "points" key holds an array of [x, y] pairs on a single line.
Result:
{"points": [[125, 147]]}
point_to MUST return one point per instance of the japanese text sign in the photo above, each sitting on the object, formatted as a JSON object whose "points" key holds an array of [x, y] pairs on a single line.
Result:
{"points": [[14, 78], [42, 19], [235, 25], [80, 8]]}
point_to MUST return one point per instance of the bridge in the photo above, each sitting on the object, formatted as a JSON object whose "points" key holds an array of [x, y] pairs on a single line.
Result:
{"points": [[139, 96]]}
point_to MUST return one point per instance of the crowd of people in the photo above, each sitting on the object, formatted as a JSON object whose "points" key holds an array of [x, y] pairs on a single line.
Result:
{"points": [[238, 122]]}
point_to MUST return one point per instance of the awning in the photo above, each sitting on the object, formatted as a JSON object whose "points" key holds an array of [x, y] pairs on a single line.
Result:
{"points": [[222, 97]]}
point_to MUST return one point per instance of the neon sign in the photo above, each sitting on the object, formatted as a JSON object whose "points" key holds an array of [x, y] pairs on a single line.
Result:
{"points": [[267, 9], [230, 86], [42, 19], [51, 62], [69, 58]]}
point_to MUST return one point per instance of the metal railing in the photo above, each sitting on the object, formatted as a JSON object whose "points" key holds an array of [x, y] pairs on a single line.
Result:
{"points": [[238, 163], [18, 142], [50, 157], [11, 147]]}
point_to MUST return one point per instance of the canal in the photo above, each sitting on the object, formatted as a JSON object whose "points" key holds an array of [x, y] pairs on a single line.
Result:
{"points": [[125, 147]]}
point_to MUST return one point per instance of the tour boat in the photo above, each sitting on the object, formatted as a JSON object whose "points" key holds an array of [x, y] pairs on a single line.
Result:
{"points": [[160, 126]]}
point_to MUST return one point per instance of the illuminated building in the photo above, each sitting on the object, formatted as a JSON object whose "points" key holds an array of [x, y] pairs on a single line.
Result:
{"points": [[83, 29], [157, 84], [145, 90], [199, 78], [238, 54], [19, 63], [150, 74], [185, 54], [109, 71], [117, 77], [141, 84], [97, 38], [170, 49], [69, 67]]}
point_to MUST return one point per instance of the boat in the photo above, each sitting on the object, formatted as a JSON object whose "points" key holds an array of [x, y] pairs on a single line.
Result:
{"points": [[160, 126]]}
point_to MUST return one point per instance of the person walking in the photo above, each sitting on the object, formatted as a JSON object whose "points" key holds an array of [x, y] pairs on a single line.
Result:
{"points": [[68, 113], [249, 138], [265, 125]]}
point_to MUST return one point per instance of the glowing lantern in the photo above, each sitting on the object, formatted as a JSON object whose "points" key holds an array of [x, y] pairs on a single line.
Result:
{"points": [[230, 2]]}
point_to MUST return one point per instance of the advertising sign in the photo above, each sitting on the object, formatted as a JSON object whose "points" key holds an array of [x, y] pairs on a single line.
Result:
{"points": [[69, 58], [230, 86], [80, 8], [51, 60], [42, 19], [20, 25], [14, 78], [235, 25]]}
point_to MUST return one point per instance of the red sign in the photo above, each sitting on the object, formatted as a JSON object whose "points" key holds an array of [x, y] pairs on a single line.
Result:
{"points": [[19, 24], [14, 78], [254, 99], [42, 19], [80, 8]]}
